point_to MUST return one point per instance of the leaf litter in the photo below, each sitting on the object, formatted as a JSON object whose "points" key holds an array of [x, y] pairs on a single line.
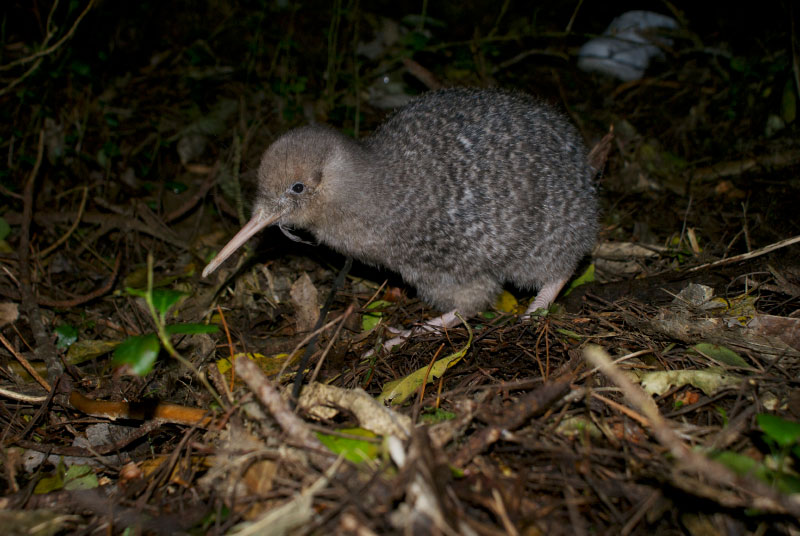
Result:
{"points": [[692, 296]]}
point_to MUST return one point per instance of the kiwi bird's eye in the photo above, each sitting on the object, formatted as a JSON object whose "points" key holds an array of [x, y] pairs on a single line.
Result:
{"points": [[298, 187]]}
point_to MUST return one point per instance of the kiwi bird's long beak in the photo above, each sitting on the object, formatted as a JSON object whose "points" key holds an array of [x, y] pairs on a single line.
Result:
{"points": [[256, 223]]}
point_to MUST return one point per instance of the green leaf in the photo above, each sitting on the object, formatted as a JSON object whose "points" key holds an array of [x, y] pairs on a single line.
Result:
{"points": [[437, 415], [741, 464], [139, 352], [65, 336], [51, 483], [164, 298], [80, 477], [787, 483], [586, 277], [723, 414], [81, 68], [354, 450], [373, 318], [399, 390], [269, 365], [577, 426], [721, 354], [139, 293], [738, 64], [569, 333], [746, 466], [85, 350], [785, 433], [136, 281], [5, 229], [191, 329], [414, 40], [75, 478]]}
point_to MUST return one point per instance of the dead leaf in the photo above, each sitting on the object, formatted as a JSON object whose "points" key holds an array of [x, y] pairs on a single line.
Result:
{"points": [[304, 299], [709, 381], [399, 390], [9, 312], [785, 329], [322, 400]]}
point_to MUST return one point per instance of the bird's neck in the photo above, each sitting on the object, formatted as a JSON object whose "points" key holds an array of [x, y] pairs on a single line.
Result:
{"points": [[354, 201], [354, 180]]}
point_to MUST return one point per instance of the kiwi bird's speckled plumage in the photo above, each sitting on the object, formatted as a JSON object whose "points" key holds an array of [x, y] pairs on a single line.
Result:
{"points": [[459, 191]]}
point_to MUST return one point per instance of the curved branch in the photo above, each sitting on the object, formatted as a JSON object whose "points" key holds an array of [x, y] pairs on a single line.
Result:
{"points": [[52, 48]]}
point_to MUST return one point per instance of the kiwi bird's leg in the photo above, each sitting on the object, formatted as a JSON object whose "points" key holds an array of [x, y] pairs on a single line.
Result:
{"points": [[547, 294]]}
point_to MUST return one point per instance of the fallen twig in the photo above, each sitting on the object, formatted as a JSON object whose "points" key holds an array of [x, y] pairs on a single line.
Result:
{"points": [[268, 394], [25, 363], [45, 252], [209, 183], [749, 255], [123, 222], [738, 167], [38, 56], [534, 403], [78, 300], [45, 349], [30, 399], [759, 495]]}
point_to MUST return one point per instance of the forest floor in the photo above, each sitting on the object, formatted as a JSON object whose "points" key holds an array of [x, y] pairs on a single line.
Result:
{"points": [[659, 396]]}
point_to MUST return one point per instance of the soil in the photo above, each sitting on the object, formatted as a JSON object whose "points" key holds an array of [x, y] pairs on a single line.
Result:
{"points": [[131, 133]]}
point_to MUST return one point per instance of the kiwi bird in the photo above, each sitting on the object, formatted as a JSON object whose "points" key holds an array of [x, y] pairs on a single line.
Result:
{"points": [[460, 191]]}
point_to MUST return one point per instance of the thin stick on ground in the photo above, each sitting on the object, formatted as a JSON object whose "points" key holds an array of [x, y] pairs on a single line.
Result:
{"points": [[750, 255], [37, 57], [45, 349], [25, 363], [335, 337], [267, 393], [759, 495], [47, 251]]}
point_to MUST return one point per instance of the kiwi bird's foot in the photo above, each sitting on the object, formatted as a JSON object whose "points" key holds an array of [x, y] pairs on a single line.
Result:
{"points": [[546, 296], [447, 320]]}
